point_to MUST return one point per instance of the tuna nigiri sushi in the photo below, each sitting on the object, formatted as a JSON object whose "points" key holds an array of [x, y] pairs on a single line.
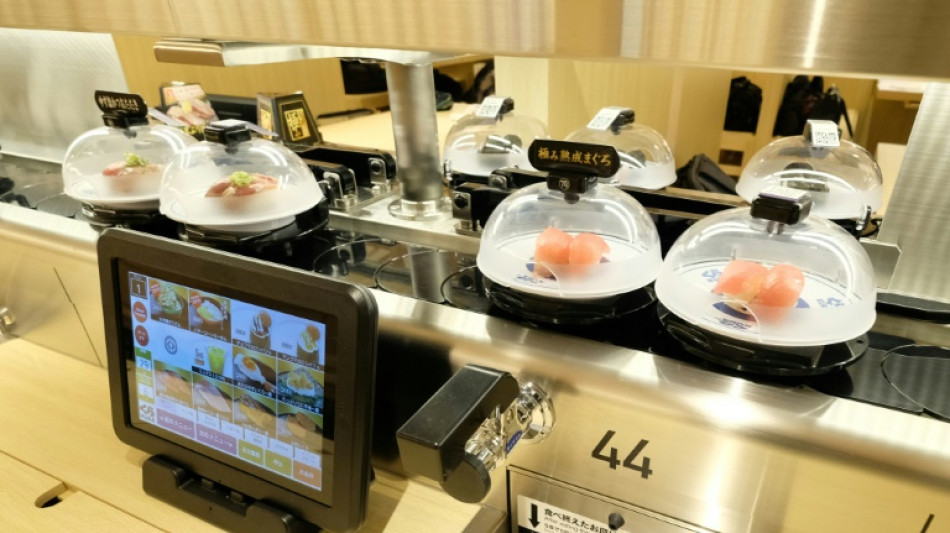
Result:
{"points": [[242, 184], [779, 292], [586, 249], [125, 176], [741, 280], [551, 248]]}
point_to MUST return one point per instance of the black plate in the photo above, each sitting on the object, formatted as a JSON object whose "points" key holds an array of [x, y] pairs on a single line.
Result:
{"points": [[758, 359], [922, 375]]}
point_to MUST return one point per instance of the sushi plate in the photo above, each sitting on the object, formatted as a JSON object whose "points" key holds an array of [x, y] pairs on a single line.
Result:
{"points": [[825, 313], [626, 267]]}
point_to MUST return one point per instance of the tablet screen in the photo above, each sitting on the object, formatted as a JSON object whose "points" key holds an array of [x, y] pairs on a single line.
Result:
{"points": [[245, 381]]}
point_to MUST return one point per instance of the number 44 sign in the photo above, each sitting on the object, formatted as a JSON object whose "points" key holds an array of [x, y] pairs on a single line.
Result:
{"points": [[612, 455]]}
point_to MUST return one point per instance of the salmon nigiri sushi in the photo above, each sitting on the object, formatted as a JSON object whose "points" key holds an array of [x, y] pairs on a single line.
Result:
{"points": [[779, 292], [741, 280], [551, 248]]}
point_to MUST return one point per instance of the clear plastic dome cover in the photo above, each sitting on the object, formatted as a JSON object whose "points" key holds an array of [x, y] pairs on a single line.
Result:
{"points": [[843, 181], [257, 186], [478, 146], [646, 160], [605, 244], [119, 168], [809, 284]]}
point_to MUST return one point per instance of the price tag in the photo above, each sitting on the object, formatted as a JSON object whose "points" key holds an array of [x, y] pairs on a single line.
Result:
{"points": [[490, 107], [571, 157], [129, 104], [604, 118], [822, 134]]}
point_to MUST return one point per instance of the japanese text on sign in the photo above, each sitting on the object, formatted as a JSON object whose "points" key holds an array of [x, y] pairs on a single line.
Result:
{"points": [[567, 156], [125, 103]]}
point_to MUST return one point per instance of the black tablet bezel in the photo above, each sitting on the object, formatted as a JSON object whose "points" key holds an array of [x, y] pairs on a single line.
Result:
{"points": [[288, 290]]}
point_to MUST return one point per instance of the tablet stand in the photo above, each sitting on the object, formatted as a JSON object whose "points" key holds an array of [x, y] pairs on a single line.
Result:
{"points": [[215, 502]]}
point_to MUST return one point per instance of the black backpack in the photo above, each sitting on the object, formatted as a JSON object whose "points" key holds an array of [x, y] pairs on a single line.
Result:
{"points": [[703, 174], [806, 99]]}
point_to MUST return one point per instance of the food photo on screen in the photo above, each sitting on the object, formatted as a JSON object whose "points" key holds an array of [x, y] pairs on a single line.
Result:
{"points": [[255, 412], [255, 371], [168, 302], [300, 386], [251, 326], [260, 330], [209, 315], [299, 427], [213, 397], [302, 341], [212, 358], [173, 382]]}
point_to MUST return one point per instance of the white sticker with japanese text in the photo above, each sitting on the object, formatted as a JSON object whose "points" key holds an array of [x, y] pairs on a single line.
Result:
{"points": [[604, 118], [490, 107], [540, 517], [824, 134]]}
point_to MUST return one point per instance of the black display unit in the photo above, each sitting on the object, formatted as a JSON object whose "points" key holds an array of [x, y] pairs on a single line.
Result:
{"points": [[250, 383]]}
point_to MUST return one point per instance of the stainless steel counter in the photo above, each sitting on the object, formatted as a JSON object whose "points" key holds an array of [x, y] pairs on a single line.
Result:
{"points": [[727, 454]]}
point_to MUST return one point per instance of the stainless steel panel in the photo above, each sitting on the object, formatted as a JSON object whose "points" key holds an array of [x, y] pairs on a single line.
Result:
{"points": [[46, 96], [375, 219], [726, 453], [844, 36], [37, 274], [918, 214], [713, 472], [884, 257]]}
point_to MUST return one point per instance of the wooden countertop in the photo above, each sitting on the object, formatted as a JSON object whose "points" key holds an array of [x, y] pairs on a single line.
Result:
{"points": [[57, 440], [376, 130]]}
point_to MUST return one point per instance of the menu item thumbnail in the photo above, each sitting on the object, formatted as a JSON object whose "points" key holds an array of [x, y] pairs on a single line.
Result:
{"points": [[308, 344], [300, 386], [209, 315], [217, 356], [254, 370], [167, 302], [260, 330], [300, 428], [255, 411], [173, 382], [213, 396], [211, 356]]}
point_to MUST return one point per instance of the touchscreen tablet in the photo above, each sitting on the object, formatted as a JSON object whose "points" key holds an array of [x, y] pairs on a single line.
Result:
{"points": [[253, 375]]}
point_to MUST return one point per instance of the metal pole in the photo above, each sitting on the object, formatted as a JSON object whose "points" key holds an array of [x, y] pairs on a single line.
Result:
{"points": [[412, 102]]}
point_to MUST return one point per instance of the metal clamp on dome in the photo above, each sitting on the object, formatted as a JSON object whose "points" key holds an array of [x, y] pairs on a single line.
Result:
{"points": [[470, 426], [625, 117], [573, 168], [122, 110], [496, 107], [782, 205], [822, 134], [227, 132]]}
